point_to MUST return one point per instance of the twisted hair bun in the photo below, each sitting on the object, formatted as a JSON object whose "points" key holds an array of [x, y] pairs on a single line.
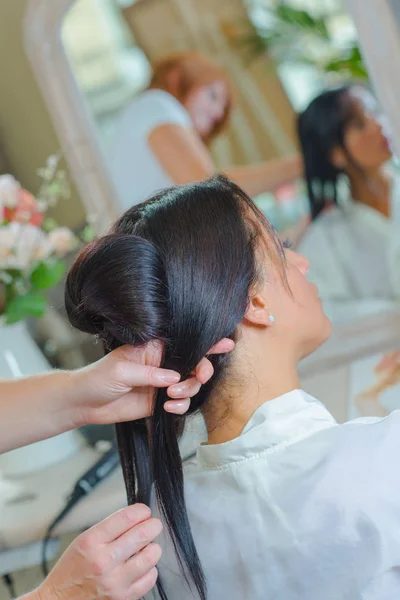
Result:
{"points": [[116, 290]]}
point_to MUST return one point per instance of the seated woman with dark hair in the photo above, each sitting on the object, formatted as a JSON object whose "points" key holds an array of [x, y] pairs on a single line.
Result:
{"points": [[281, 501], [353, 241]]}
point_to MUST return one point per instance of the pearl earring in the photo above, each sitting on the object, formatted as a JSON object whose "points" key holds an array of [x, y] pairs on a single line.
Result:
{"points": [[272, 318]]}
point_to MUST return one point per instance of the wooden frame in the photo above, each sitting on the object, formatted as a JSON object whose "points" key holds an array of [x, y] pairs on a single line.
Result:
{"points": [[66, 105], [378, 27]]}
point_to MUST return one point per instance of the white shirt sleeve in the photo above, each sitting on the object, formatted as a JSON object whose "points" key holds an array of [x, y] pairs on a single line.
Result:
{"points": [[154, 108]]}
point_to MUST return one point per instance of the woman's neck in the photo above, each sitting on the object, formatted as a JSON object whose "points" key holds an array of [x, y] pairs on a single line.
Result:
{"points": [[251, 386], [372, 189]]}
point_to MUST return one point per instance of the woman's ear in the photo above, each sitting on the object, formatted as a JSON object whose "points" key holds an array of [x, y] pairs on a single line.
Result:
{"points": [[258, 313], [338, 158]]}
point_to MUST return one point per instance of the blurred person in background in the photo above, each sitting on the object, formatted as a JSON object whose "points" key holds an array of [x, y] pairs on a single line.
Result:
{"points": [[162, 138], [353, 235]]}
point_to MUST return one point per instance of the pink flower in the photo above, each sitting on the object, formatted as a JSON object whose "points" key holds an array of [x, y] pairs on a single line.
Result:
{"points": [[9, 193], [26, 210]]}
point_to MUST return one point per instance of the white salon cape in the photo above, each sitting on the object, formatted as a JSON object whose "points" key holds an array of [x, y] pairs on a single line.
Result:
{"points": [[354, 255], [296, 508]]}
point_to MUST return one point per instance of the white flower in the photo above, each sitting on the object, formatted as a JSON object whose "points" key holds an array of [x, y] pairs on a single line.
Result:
{"points": [[6, 246], [22, 245], [5, 277], [52, 161], [6, 237], [42, 205], [62, 240], [9, 191], [43, 249]]}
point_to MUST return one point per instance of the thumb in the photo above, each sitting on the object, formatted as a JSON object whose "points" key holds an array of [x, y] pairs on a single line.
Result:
{"points": [[128, 368]]}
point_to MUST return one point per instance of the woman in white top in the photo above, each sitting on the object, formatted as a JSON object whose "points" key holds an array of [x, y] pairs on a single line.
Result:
{"points": [[354, 236], [162, 137], [281, 502]]}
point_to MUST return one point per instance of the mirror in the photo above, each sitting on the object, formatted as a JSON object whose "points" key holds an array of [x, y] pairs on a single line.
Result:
{"points": [[113, 68], [90, 81]]}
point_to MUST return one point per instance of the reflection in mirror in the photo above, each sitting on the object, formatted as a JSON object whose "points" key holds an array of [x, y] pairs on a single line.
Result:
{"points": [[259, 128], [351, 246], [94, 81], [351, 177]]}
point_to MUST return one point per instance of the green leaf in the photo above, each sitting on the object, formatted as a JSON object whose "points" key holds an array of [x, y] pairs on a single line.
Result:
{"points": [[47, 275], [88, 234], [49, 224], [30, 304], [301, 19], [351, 63]]}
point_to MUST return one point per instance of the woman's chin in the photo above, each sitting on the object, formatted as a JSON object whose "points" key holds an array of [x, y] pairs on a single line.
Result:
{"points": [[321, 335], [328, 329]]}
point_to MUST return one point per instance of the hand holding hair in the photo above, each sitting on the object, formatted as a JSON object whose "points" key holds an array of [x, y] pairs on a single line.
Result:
{"points": [[114, 560], [120, 387]]}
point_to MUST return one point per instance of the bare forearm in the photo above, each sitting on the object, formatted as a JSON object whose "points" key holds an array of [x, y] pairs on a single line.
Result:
{"points": [[185, 158], [34, 596], [43, 593], [34, 408], [265, 177]]}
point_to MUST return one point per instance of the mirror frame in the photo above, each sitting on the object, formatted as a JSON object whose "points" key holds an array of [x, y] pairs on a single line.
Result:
{"points": [[379, 38], [66, 105], [79, 141]]}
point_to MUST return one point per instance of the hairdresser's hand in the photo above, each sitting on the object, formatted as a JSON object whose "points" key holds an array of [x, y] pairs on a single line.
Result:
{"points": [[120, 387], [114, 560], [390, 362]]}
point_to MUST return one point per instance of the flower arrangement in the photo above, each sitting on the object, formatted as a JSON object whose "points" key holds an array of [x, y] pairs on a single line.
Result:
{"points": [[32, 246]]}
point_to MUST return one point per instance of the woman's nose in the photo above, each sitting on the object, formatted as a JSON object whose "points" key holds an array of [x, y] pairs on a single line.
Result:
{"points": [[377, 122], [218, 112]]}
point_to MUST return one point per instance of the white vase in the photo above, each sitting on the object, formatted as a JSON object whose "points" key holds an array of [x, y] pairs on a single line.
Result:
{"points": [[19, 357]]}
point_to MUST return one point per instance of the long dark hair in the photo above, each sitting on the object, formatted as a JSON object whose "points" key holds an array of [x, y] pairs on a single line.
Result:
{"points": [[177, 268], [321, 128]]}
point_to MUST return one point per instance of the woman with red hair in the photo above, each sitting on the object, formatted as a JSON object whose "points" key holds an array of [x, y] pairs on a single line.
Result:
{"points": [[162, 137]]}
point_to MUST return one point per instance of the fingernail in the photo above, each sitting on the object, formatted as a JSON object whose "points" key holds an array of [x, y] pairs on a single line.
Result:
{"points": [[169, 377], [207, 373], [176, 391], [176, 406]]}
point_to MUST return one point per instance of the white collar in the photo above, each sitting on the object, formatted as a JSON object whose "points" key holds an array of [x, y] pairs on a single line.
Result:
{"points": [[276, 423]]}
